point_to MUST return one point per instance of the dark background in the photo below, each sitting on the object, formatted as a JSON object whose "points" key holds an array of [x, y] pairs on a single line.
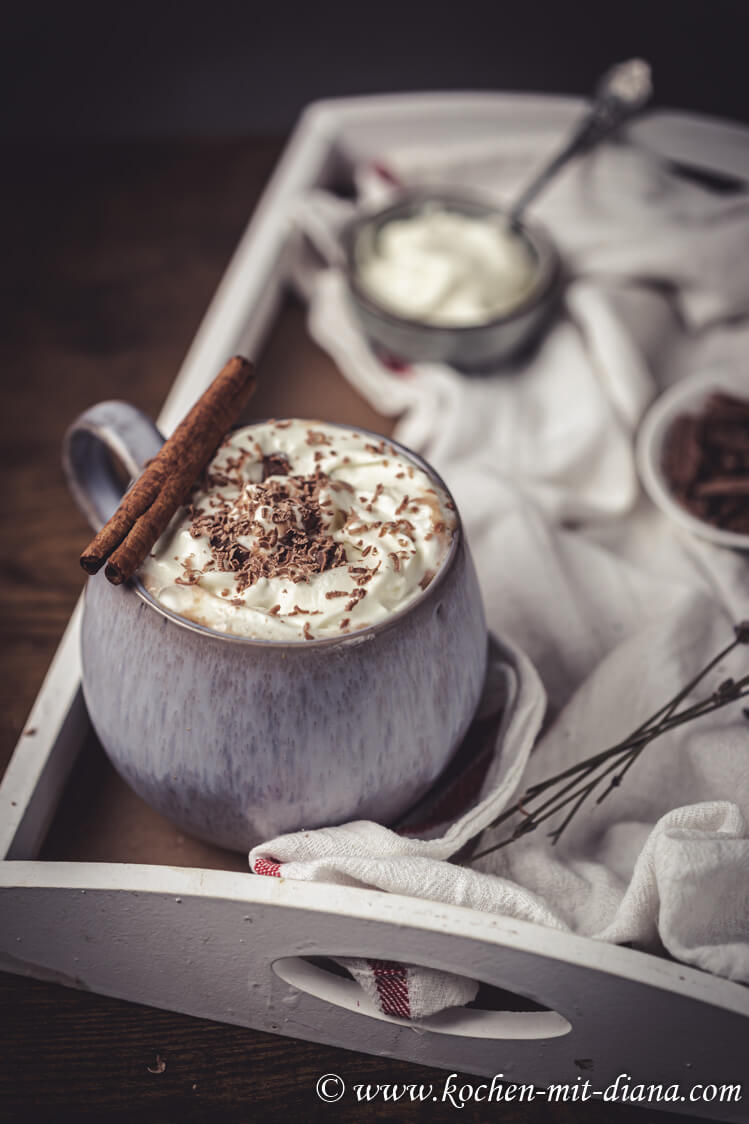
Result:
{"points": [[102, 70]]}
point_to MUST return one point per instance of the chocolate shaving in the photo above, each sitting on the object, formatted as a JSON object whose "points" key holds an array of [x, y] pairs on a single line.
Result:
{"points": [[682, 454], [427, 579], [398, 526], [299, 611], [356, 597], [192, 577], [275, 464], [296, 545], [317, 437], [724, 486]]}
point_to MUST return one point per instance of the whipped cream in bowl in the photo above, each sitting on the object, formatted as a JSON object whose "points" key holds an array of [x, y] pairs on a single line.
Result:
{"points": [[443, 266], [302, 531], [447, 277]]}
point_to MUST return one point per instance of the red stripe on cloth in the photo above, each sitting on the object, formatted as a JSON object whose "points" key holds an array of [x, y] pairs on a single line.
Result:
{"points": [[394, 364], [385, 173], [391, 980], [267, 866]]}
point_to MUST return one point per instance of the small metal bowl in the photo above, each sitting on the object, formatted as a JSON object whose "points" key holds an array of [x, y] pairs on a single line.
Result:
{"points": [[473, 347]]}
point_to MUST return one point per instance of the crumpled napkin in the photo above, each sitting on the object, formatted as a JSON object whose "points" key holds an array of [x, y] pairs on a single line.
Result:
{"points": [[615, 607]]}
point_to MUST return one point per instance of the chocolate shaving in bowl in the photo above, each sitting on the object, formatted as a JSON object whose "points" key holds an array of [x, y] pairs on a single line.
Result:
{"points": [[706, 462]]}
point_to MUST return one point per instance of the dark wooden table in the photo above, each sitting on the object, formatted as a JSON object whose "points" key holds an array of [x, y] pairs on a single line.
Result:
{"points": [[112, 253]]}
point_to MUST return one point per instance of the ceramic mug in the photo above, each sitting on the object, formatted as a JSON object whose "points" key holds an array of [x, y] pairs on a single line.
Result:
{"points": [[238, 740]]}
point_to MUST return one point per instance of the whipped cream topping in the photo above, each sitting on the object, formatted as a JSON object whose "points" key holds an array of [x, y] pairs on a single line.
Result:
{"points": [[300, 530], [443, 267]]}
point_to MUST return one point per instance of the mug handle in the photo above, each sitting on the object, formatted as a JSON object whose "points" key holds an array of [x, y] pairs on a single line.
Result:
{"points": [[109, 429]]}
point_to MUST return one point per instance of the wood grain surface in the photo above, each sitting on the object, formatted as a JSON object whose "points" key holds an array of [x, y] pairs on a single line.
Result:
{"points": [[112, 253]]}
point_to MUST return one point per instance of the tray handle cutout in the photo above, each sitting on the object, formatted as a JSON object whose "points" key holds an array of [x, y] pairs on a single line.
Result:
{"points": [[464, 1022]]}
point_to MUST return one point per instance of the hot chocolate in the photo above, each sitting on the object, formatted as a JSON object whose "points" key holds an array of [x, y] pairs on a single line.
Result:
{"points": [[295, 530], [301, 530]]}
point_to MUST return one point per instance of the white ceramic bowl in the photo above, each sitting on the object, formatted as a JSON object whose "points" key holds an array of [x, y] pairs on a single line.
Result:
{"points": [[685, 397]]}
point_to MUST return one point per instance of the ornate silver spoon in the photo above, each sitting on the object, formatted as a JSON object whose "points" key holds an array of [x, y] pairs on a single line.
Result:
{"points": [[620, 94]]}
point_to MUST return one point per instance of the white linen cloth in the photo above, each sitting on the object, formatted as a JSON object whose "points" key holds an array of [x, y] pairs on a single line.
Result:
{"points": [[615, 607]]}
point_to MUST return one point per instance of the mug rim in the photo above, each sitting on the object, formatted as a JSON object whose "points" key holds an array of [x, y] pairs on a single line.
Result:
{"points": [[349, 638]]}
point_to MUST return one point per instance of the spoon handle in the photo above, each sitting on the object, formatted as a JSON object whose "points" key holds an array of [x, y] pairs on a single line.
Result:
{"points": [[621, 92]]}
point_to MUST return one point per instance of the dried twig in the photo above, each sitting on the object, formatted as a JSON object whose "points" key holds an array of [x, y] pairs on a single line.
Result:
{"points": [[569, 790]]}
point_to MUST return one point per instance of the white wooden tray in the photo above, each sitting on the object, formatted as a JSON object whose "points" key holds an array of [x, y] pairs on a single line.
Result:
{"points": [[236, 947]]}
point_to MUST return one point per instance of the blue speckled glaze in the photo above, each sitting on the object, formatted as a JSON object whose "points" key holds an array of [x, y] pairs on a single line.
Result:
{"points": [[238, 740]]}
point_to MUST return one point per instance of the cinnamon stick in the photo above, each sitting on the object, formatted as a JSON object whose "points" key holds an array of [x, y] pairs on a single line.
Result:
{"points": [[135, 501], [165, 484]]}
